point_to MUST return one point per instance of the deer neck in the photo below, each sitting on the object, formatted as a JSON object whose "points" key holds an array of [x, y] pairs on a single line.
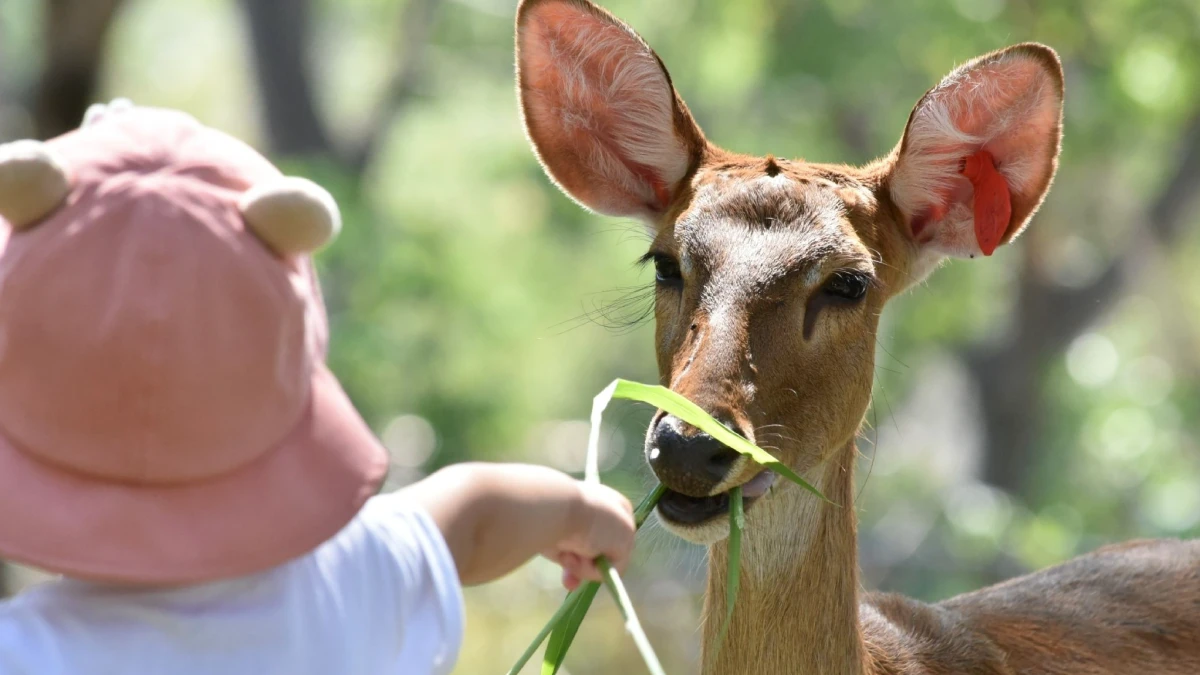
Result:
{"points": [[797, 607]]}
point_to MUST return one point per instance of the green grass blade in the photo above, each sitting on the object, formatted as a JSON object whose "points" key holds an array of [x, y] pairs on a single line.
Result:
{"points": [[563, 610], [737, 523], [564, 633], [613, 581], [591, 467], [562, 627], [689, 412], [557, 651]]}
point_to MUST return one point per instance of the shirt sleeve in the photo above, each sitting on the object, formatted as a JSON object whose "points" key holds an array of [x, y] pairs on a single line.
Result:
{"points": [[428, 595], [26, 641]]}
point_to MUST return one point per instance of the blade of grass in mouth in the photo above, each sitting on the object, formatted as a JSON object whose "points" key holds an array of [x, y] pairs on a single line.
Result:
{"points": [[737, 523]]}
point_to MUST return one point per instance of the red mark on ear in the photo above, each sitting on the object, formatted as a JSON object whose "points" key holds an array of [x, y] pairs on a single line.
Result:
{"points": [[993, 203]]}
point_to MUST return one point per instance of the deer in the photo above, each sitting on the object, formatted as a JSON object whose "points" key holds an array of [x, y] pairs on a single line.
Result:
{"points": [[770, 278]]}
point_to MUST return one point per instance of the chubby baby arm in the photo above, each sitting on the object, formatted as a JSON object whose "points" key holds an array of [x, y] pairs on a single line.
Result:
{"points": [[495, 517]]}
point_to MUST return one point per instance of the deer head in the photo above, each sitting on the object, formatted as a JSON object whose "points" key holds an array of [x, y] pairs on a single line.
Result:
{"points": [[771, 273]]}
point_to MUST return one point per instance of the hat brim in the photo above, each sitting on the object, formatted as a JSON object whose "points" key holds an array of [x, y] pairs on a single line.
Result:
{"points": [[278, 507]]}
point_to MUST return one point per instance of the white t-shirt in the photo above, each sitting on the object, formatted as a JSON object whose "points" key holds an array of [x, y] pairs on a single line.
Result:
{"points": [[381, 597]]}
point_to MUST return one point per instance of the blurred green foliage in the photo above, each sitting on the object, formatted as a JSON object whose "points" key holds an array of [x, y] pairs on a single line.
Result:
{"points": [[461, 285]]}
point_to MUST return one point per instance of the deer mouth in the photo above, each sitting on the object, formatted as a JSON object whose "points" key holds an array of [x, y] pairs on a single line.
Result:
{"points": [[681, 510]]}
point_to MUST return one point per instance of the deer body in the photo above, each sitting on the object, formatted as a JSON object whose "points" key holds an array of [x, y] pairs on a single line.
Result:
{"points": [[1130, 608], [771, 275]]}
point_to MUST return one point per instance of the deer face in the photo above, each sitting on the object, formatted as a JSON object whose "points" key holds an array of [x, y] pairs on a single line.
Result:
{"points": [[769, 286], [771, 274]]}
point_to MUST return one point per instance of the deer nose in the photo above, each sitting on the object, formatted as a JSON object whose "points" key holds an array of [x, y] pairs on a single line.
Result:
{"points": [[690, 463]]}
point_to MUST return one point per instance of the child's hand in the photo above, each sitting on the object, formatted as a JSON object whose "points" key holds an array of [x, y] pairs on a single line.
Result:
{"points": [[602, 525]]}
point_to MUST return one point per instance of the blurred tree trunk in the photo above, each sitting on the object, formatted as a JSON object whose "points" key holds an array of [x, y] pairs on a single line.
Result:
{"points": [[73, 38], [281, 33], [1009, 376], [1048, 317], [282, 36]]}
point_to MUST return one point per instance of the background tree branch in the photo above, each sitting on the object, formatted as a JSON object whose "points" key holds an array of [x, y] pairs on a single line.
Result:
{"points": [[417, 22]]}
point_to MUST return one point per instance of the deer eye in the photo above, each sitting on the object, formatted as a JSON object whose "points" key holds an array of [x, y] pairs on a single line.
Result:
{"points": [[666, 270], [846, 285]]}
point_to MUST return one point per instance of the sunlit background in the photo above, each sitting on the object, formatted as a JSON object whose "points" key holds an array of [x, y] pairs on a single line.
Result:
{"points": [[1028, 407]]}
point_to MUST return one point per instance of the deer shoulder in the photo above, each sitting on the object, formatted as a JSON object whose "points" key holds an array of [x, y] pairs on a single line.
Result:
{"points": [[1135, 603]]}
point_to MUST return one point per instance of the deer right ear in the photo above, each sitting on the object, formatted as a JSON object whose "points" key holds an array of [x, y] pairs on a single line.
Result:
{"points": [[600, 110], [980, 151]]}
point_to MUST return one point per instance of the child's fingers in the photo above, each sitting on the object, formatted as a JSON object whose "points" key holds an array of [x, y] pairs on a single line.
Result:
{"points": [[576, 569], [612, 533], [569, 580], [620, 551], [607, 530], [618, 545], [585, 570]]}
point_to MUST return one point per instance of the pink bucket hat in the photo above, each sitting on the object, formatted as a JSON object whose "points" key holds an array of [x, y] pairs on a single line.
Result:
{"points": [[166, 414]]}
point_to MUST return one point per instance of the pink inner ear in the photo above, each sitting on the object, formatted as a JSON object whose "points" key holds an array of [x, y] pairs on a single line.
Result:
{"points": [[1006, 106], [998, 114], [600, 109]]}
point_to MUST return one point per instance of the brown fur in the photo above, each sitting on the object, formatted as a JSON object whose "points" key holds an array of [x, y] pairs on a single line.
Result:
{"points": [[748, 334]]}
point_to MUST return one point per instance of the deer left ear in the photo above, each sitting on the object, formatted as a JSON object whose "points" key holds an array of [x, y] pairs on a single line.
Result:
{"points": [[980, 151], [600, 110]]}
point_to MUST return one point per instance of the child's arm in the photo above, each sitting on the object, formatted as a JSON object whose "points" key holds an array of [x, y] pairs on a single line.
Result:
{"points": [[495, 517]]}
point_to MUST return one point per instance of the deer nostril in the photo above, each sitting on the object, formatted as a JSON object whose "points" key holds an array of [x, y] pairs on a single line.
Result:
{"points": [[722, 457], [688, 463], [720, 462]]}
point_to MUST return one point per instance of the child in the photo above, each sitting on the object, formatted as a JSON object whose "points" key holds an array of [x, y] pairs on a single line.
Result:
{"points": [[172, 442]]}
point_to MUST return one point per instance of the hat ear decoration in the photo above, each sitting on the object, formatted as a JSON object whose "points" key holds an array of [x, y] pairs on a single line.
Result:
{"points": [[292, 216], [33, 183]]}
